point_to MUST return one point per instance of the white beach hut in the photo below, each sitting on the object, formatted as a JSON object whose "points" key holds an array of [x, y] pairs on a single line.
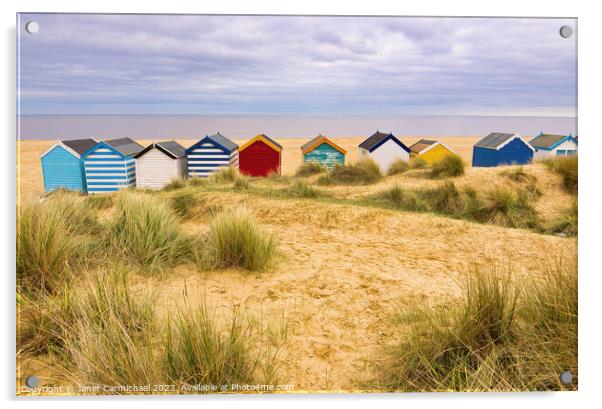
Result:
{"points": [[160, 163], [384, 149]]}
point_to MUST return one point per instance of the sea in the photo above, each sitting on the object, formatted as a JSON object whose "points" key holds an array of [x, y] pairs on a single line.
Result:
{"points": [[39, 127]]}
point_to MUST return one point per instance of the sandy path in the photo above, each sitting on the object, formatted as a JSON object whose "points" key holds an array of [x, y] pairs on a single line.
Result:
{"points": [[345, 272]]}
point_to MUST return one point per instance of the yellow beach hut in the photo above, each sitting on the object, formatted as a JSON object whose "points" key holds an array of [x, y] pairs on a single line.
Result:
{"points": [[430, 151]]}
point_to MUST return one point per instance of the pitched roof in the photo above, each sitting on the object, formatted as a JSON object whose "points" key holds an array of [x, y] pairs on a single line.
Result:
{"points": [[264, 138], [494, 140], [547, 141], [171, 148], [126, 146], [223, 141], [421, 145], [373, 140], [378, 138], [80, 145], [319, 140]]}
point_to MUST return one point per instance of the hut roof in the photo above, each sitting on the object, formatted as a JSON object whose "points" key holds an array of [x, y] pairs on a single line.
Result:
{"points": [[126, 146], [264, 138], [171, 148], [77, 147], [497, 140], [223, 141], [421, 145], [80, 145], [378, 138], [548, 141], [319, 140]]}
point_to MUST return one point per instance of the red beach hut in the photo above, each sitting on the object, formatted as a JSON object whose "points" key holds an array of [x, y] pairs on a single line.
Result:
{"points": [[260, 156]]}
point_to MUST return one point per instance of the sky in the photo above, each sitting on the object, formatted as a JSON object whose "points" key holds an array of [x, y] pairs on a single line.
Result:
{"points": [[78, 64]]}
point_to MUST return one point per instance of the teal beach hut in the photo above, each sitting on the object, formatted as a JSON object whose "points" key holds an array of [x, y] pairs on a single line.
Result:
{"points": [[63, 166], [323, 151]]}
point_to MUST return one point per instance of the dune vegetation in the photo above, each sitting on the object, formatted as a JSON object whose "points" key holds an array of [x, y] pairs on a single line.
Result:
{"points": [[364, 171], [568, 168], [310, 168], [449, 166], [346, 279], [498, 335]]}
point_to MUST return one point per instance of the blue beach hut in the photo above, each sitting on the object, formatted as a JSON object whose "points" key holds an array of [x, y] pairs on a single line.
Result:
{"points": [[210, 154], [63, 167], [499, 148], [110, 165]]}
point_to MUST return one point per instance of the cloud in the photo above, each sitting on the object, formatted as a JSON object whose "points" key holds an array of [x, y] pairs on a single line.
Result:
{"points": [[80, 64]]}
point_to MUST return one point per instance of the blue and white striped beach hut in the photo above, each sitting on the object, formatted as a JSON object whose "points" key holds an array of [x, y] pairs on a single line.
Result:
{"points": [[63, 167], [110, 165], [210, 154]]}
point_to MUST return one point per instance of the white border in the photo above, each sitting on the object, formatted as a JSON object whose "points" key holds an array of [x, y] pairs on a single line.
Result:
{"points": [[590, 302]]}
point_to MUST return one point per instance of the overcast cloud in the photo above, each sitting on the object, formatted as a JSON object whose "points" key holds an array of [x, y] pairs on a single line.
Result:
{"points": [[125, 64]]}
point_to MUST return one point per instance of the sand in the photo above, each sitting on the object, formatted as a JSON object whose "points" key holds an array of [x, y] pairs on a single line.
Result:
{"points": [[346, 270]]}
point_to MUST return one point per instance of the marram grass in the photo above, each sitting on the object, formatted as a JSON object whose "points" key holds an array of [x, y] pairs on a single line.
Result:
{"points": [[106, 334], [498, 335], [50, 239], [147, 231], [365, 171], [449, 166], [310, 168], [235, 240]]}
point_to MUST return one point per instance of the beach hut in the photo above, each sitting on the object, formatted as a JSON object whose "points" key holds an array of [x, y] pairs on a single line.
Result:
{"points": [[548, 145], [210, 154], [260, 156], [110, 165], [384, 149], [323, 151], [499, 148], [63, 167], [430, 151], [160, 163]]}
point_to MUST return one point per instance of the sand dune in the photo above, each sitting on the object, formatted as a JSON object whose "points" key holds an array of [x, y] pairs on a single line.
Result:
{"points": [[347, 269]]}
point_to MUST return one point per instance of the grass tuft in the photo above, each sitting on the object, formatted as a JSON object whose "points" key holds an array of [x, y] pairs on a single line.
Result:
{"points": [[448, 167], [184, 204], [198, 181], [242, 183], [99, 202], [174, 185], [568, 168], [397, 167], [445, 199], [302, 189], [510, 208], [507, 208], [566, 224], [492, 338], [365, 171], [110, 338], [225, 174], [400, 198], [234, 240], [518, 174], [200, 352], [47, 241], [418, 163], [147, 230], [310, 168]]}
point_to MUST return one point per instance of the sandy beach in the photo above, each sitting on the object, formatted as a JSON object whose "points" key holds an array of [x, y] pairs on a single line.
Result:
{"points": [[347, 269]]}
